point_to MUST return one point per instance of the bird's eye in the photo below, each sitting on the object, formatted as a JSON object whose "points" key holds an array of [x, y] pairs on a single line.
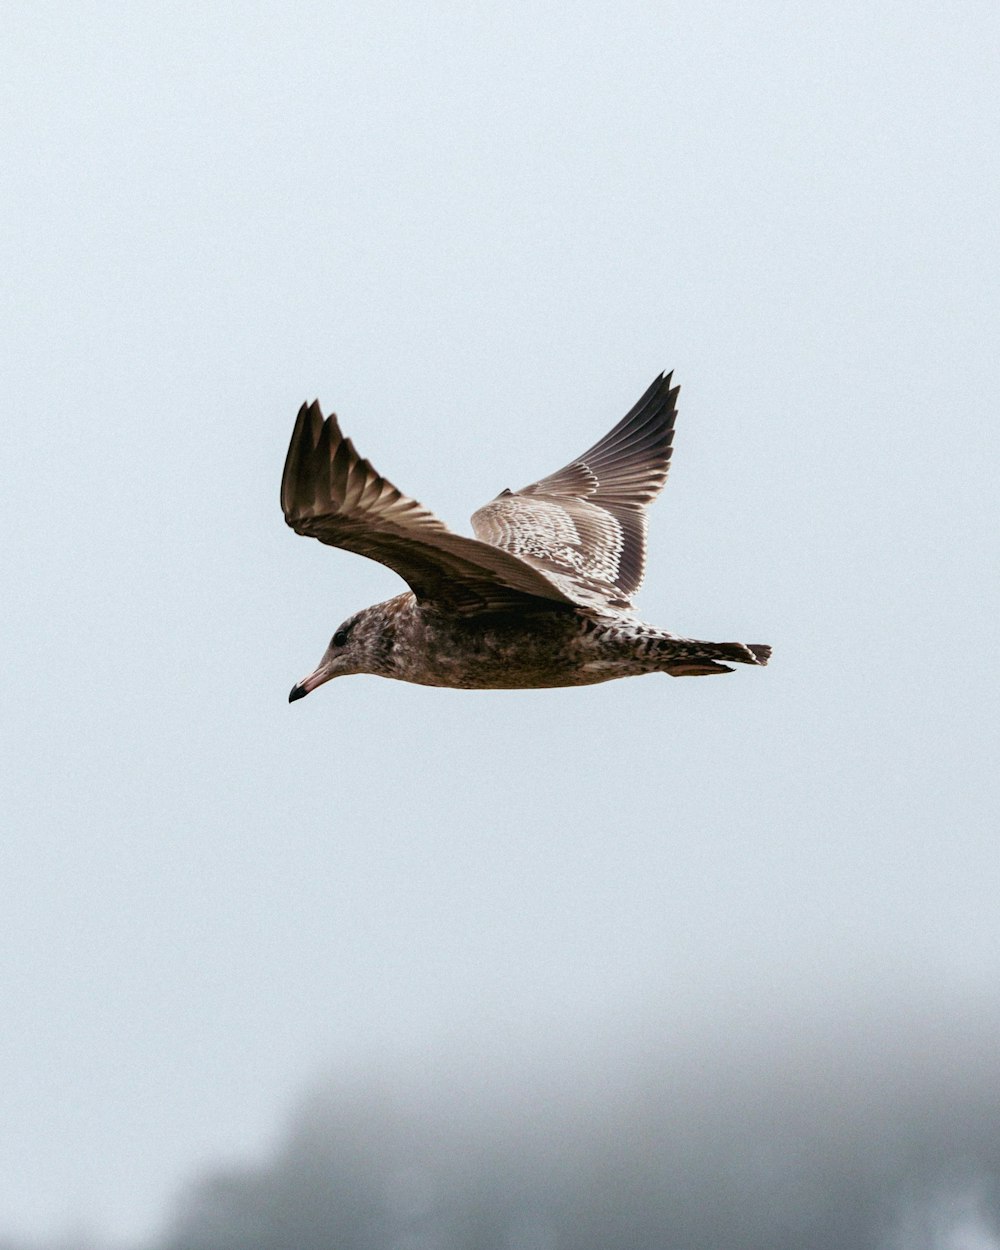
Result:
{"points": [[340, 638]]}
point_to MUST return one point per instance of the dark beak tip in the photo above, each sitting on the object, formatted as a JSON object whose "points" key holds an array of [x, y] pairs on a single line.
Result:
{"points": [[298, 692]]}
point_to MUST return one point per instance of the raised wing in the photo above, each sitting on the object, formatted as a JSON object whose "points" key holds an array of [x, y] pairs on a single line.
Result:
{"points": [[585, 526], [329, 492]]}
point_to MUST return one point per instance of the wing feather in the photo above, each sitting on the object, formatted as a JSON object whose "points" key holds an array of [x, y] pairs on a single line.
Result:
{"points": [[329, 492], [584, 526]]}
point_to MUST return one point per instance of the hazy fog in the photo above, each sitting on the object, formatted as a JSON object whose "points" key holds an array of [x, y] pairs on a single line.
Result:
{"points": [[862, 1127]]}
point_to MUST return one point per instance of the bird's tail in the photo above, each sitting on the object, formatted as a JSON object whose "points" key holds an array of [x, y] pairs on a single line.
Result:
{"points": [[688, 657]]}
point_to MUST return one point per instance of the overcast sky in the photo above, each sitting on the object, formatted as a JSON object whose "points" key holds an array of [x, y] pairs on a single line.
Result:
{"points": [[477, 232]]}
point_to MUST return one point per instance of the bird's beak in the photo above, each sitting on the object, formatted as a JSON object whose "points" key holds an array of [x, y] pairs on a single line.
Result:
{"points": [[302, 688]]}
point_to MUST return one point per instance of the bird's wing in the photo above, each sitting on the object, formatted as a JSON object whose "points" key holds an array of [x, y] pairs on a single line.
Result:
{"points": [[329, 492], [585, 526]]}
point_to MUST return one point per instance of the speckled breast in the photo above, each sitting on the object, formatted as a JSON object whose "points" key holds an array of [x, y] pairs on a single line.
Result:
{"points": [[512, 652]]}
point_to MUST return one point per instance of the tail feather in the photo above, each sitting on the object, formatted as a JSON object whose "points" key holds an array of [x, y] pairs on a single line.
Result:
{"points": [[738, 652], [689, 657], [696, 668]]}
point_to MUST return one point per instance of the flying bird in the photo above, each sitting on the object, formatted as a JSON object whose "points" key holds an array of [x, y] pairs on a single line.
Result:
{"points": [[540, 597]]}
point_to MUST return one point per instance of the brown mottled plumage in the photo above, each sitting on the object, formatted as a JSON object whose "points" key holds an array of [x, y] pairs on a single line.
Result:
{"points": [[541, 596]]}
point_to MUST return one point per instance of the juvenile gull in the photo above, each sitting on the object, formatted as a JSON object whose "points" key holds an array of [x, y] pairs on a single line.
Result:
{"points": [[540, 597]]}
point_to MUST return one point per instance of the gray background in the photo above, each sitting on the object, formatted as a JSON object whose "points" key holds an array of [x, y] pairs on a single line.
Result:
{"points": [[478, 232]]}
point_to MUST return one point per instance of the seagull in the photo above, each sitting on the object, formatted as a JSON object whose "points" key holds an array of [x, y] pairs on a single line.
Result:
{"points": [[541, 597]]}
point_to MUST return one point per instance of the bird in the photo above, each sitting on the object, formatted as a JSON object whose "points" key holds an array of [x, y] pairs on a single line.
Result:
{"points": [[542, 595]]}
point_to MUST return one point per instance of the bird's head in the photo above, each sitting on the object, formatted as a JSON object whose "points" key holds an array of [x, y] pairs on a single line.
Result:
{"points": [[362, 644]]}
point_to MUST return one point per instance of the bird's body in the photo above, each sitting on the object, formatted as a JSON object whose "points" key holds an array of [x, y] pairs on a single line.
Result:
{"points": [[518, 651], [539, 599]]}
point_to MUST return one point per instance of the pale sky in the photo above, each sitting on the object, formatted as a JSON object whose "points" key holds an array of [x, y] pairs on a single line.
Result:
{"points": [[478, 232]]}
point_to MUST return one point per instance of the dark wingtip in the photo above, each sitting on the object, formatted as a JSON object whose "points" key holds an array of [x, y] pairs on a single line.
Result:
{"points": [[761, 652], [298, 692]]}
